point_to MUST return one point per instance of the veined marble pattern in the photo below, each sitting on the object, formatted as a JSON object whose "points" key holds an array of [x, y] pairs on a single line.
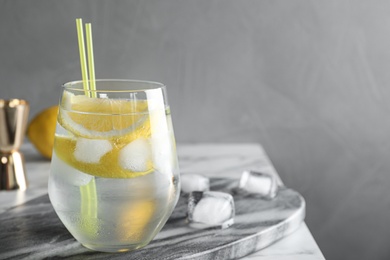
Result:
{"points": [[258, 223], [47, 237], [222, 160]]}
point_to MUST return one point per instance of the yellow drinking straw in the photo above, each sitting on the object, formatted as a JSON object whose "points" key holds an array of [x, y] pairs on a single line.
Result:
{"points": [[83, 63], [91, 67], [89, 199]]}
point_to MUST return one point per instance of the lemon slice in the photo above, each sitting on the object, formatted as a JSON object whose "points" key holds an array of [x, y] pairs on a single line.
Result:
{"points": [[101, 118], [107, 166], [110, 137]]}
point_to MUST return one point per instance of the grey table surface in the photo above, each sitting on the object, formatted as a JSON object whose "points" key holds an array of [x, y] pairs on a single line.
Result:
{"points": [[212, 160]]}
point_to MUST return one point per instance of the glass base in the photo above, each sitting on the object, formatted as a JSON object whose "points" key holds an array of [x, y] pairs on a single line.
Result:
{"points": [[114, 249]]}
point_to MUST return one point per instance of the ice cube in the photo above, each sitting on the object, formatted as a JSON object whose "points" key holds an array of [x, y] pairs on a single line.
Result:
{"points": [[259, 183], [162, 153], [91, 150], [194, 182], [210, 209], [136, 156]]}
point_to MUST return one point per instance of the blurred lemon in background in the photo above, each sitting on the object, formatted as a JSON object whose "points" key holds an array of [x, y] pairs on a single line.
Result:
{"points": [[41, 131]]}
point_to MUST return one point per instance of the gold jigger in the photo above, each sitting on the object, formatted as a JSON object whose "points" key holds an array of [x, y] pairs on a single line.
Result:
{"points": [[13, 121]]}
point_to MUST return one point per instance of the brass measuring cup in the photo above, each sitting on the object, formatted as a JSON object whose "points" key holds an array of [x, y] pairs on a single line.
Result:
{"points": [[13, 122]]}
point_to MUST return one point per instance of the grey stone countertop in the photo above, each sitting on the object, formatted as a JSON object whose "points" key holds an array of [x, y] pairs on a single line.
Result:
{"points": [[212, 160]]}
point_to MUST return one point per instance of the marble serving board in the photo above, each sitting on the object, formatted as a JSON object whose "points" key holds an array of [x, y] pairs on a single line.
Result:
{"points": [[33, 230]]}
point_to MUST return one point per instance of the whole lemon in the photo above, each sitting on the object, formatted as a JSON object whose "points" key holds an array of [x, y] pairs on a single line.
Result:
{"points": [[41, 131]]}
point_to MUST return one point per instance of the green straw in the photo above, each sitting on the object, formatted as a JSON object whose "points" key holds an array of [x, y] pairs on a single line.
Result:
{"points": [[89, 209], [91, 67], [89, 198], [83, 63]]}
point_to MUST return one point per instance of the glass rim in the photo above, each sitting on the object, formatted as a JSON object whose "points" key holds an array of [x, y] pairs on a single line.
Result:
{"points": [[156, 85]]}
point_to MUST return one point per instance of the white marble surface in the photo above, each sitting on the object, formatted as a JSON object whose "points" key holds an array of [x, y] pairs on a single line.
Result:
{"points": [[228, 161]]}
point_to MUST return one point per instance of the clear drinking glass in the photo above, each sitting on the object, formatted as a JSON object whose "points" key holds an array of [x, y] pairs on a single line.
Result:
{"points": [[114, 177]]}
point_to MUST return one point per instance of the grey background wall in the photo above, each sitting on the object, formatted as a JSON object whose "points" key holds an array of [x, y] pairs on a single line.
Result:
{"points": [[307, 79]]}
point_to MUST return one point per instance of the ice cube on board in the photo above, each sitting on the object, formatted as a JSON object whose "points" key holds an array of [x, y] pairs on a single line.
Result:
{"points": [[210, 209], [194, 182], [259, 183]]}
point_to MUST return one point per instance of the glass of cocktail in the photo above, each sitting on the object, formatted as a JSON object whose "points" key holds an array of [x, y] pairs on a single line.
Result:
{"points": [[114, 177]]}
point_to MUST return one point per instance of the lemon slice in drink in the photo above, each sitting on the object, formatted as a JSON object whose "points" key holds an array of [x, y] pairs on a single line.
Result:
{"points": [[108, 165], [110, 137], [101, 118]]}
